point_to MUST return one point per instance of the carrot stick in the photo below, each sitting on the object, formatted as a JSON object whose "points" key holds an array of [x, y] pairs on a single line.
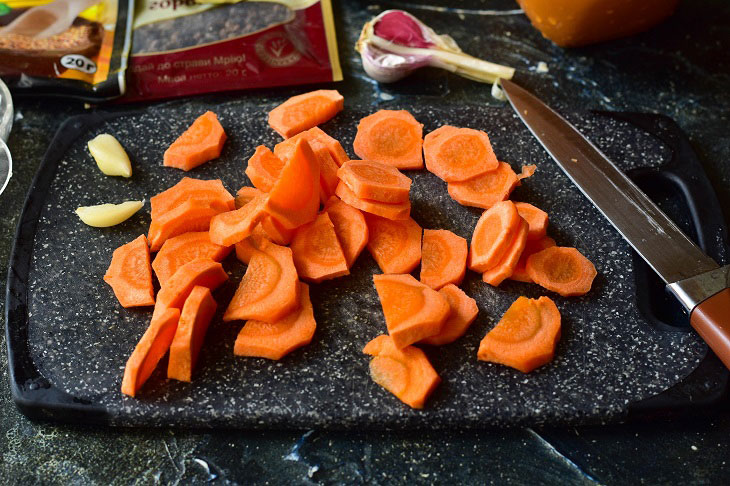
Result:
{"points": [[350, 228], [412, 310], [405, 372], [561, 269], [191, 189], [443, 258], [250, 245], [458, 154], [245, 195], [335, 149], [195, 317], [268, 290], [316, 251], [229, 228], [328, 179], [204, 273], [191, 215], [305, 111], [535, 217], [395, 245], [497, 274], [485, 190], [390, 137], [277, 339], [525, 337], [294, 199], [532, 246], [463, 312], [263, 168], [202, 142], [376, 181], [395, 211], [491, 235], [130, 275], [185, 248], [149, 350]]}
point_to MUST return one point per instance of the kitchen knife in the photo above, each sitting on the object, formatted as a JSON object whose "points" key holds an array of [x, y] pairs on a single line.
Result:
{"points": [[700, 284]]}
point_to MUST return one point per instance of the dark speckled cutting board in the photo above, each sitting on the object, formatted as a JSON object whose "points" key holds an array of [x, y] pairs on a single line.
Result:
{"points": [[76, 337]]}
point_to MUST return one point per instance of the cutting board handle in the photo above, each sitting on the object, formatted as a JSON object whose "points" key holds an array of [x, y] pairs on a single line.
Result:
{"points": [[711, 320]]}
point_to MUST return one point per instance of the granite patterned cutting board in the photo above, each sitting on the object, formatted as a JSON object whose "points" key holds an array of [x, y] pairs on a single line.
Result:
{"points": [[78, 337]]}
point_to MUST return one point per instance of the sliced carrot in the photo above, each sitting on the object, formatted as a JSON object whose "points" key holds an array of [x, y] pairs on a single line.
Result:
{"points": [[233, 226], [328, 179], [201, 142], [395, 211], [413, 311], [277, 339], [390, 137], [535, 217], [317, 252], [192, 215], [263, 168], [185, 248], [485, 190], [532, 246], [245, 194], [527, 171], [463, 312], [336, 151], [149, 350], [443, 258], [350, 227], [395, 245], [191, 189], [506, 265], [268, 290], [204, 273], [376, 181], [458, 154], [492, 234], [275, 231], [294, 199], [525, 337], [130, 275], [561, 269], [248, 246], [405, 372], [305, 111], [195, 317]]}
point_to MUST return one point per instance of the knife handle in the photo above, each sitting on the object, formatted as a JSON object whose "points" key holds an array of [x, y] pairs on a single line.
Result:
{"points": [[711, 320]]}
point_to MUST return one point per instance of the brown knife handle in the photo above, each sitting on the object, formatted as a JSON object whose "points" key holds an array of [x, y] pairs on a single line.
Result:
{"points": [[711, 320]]}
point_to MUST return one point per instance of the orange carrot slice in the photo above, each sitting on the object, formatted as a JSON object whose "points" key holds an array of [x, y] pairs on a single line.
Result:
{"points": [[443, 258], [192, 215], [532, 246], [458, 154], [202, 142], [502, 270], [395, 211], [229, 228], [485, 190], [463, 312], [335, 149], [405, 372], [395, 245], [245, 195], [390, 137], [376, 181], [248, 246], [491, 235], [317, 252], [535, 217], [263, 168], [149, 350], [294, 199], [204, 273], [412, 310], [129, 274], [268, 290], [305, 111], [561, 269], [525, 337], [275, 231], [277, 339], [350, 228], [211, 191], [328, 179], [195, 317], [185, 248]]}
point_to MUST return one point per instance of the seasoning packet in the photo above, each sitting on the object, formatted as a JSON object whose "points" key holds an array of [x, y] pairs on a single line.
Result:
{"points": [[40, 54], [181, 47]]}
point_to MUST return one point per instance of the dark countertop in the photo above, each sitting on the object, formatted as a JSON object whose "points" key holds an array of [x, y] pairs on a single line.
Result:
{"points": [[680, 69]]}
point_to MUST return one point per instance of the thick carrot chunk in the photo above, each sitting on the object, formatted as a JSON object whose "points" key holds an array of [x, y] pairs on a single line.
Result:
{"points": [[458, 154], [485, 190], [263, 168], [491, 236], [390, 137], [202, 142], [395, 211], [195, 317], [317, 252], [208, 191], [130, 274], [375, 181], [506, 265], [185, 248], [277, 339], [561, 269], [532, 246], [443, 258], [229, 228], [535, 217], [404, 372], [305, 111], [204, 273], [463, 312], [395, 245], [350, 227], [525, 337]]}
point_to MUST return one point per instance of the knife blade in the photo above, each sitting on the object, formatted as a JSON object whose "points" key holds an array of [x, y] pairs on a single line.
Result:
{"points": [[694, 278]]}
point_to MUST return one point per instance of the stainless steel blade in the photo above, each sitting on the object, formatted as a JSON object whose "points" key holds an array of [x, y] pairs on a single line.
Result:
{"points": [[650, 232]]}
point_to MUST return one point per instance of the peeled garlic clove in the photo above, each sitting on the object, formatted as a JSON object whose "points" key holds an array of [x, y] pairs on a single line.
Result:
{"points": [[105, 215], [110, 156]]}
